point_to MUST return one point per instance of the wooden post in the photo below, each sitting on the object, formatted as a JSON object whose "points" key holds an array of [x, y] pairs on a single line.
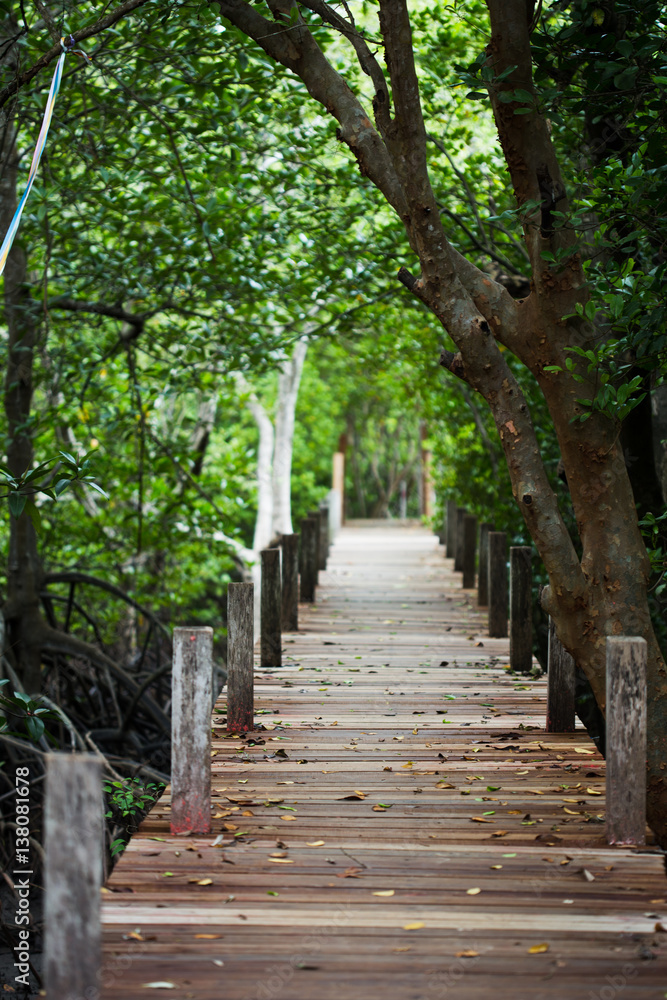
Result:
{"points": [[324, 536], [73, 829], [483, 572], [338, 484], [451, 529], [497, 573], [270, 610], [191, 694], [560, 686], [458, 554], [308, 561], [626, 740], [314, 516], [290, 583], [240, 665], [521, 608], [469, 550]]}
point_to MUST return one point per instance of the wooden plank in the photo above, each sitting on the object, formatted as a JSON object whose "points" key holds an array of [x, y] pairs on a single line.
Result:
{"points": [[191, 684], [73, 830]]}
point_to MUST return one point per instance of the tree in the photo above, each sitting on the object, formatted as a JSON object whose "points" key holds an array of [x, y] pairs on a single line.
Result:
{"points": [[603, 591]]}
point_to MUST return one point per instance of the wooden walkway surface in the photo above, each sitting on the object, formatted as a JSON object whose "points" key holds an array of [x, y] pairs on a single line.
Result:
{"points": [[401, 829]]}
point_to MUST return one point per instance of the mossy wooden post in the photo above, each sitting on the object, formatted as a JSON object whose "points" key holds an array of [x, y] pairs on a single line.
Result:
{"points": [[560, 686], [309, 533], [191, 694], [240, 664], [521, 609], [469, 550], [458, 554], [483, 571], [74, 841], [324, 536], [271, 607], [290, 583], [626, 740], [497, 585], [451, 529], [315, 516]]}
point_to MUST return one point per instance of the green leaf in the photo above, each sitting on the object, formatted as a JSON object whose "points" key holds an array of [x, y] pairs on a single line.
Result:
{"points": [[17, 502]]}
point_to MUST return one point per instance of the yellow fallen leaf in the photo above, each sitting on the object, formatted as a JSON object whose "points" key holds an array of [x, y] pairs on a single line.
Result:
{"points": [[480, 819], [201, 881], [385, 892], [134, 936], [467, 954], [500, 833], [496, 867], [571, 812], [414, 732], [288, 819], [208, 937], [581, 750], [414, 927], [591, 791], [538, 949], [281, 861], [314, 843], [408, 764], [473, 892]]}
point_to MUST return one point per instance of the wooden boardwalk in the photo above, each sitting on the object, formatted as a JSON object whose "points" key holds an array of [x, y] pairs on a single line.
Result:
{"points": [[401, 829]]}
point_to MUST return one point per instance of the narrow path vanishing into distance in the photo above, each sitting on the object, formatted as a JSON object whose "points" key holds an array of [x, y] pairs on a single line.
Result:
{"points": [[399, 827]]}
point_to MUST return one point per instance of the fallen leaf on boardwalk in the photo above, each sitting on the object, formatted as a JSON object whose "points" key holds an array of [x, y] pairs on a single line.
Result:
{"points": [[284, 783], [500, 833], [467, 954], [399, 738], [538, 949], [496, 867], [533, 791], [588, 875], [281, 861], [288, 819], [473, 892], [167, 874], [387, 769], [513, 812], [247, 812], [414, 927], [591, 791], [414, 732], [480, 819], [230, 826], [381, 807], [408, 948], [407, 764], [240, 801], [314, 843], [203, 881], [581, 750], [444, 784], [355, 795], [571, 812], [351, 873], [208, 937], [159, 986], [385, 892], [133, 936]]}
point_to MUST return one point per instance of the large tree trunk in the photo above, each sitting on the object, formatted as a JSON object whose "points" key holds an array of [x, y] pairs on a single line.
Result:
{"points": [[289, 379], [22, 607], [604, 593]]}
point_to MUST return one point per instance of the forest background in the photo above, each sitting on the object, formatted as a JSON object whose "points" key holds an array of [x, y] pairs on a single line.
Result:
{"points": [[195, 223]]}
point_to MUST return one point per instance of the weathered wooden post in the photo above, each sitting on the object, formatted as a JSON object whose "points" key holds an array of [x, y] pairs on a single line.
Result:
{"points": [[271, 605], [458, 555], [483, 571], [324, 536], [626, 740], [560, 686], [240, 665], [73, 828], [315, 516], [451, 529], [308, 561], [191, 694], [497, 584], [469, 550], [521, 609], [290, 583]]}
